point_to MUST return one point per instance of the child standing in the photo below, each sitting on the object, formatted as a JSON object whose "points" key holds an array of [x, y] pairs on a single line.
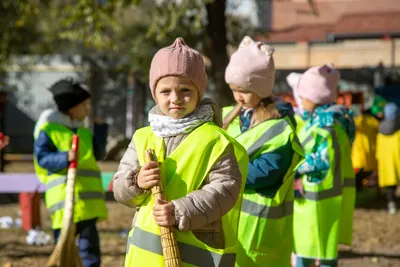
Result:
{"points": [[202, 169], [265, 127], [388, 154], [53, 136], [323, 216], [363, 151]]}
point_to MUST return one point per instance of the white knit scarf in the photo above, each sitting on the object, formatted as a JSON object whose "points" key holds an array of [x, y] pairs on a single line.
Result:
{"points": [[164, 126]]}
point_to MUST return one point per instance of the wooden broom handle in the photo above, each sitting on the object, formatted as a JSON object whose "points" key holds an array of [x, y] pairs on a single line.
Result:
{"points": [[168, 239], [157, 190], [65, 252]]}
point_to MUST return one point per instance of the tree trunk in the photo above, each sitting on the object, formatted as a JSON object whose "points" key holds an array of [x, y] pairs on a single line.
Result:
{"points": [[96, 83], [217, 43], [141, 100], [130, 116]]}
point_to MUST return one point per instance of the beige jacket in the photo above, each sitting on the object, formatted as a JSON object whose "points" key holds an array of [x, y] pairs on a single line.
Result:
{"points": [[201, 210]]}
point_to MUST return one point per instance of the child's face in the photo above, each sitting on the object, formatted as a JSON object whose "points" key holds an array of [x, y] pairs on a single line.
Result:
{"points": [[245, 98], [176, 96], [80, 111], [308, 105]]}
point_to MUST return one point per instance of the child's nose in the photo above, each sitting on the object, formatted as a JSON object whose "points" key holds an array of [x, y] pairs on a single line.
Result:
{"points": [[174, 97]]}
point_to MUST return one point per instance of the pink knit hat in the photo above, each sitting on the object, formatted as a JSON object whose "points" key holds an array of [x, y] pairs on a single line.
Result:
{"points": [[178, 60], [319, 84], [252, 68]]}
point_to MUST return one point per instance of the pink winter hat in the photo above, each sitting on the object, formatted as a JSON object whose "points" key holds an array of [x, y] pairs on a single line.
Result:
{"points": [[252, 68], [178, 60], [319, 84]]}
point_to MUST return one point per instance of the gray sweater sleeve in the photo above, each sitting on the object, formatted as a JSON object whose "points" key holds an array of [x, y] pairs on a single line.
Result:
{"points": [[125, 188]]}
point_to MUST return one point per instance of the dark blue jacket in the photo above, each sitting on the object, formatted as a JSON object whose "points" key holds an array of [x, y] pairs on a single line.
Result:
{"points": [[53, 160], [266, 172]]}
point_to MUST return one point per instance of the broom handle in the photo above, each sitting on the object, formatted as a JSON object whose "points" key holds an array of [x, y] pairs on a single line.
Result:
{"points": [[62, 248], [71, 176], [168, 238]]}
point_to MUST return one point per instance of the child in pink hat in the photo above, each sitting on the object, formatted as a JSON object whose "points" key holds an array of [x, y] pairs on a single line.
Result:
{"points": [[202, 169], [266, 128], [326, 185]]}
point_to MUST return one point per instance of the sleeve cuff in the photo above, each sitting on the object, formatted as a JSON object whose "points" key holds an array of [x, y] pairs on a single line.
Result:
{"points": [[182, 222], [131, 179]]}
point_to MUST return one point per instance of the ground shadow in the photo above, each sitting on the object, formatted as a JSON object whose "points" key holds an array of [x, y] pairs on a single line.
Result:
{"points": [[353, 254], [372, 198]]}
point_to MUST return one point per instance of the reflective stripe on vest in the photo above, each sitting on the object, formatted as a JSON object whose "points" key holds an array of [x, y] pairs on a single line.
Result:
{"points": [[87, 195], [337, 187], [275, 130], [349, 182], [189, 254], [309, 138], [268, 212], [82, 173]]}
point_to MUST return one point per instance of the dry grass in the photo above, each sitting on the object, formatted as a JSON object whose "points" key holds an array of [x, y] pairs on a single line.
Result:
{"points": [[376, 237]]}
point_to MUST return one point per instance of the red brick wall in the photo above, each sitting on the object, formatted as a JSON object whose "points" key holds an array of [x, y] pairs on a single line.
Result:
{"points": [[287, 13]]}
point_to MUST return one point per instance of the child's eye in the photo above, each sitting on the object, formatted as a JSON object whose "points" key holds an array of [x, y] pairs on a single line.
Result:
{"points": [[185, 90], [164, 92]]}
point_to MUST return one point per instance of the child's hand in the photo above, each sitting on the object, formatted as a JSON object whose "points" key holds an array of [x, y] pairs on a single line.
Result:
{"points": [[72, 156], [298, 186], [149, 175], [164, 213]]}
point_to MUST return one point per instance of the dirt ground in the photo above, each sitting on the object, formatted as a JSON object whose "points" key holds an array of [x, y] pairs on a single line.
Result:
{"points": [[376, 240]]}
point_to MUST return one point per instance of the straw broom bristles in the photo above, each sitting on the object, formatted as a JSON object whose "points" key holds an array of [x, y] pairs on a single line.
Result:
{"points": [[168, 238], [66, 254]]}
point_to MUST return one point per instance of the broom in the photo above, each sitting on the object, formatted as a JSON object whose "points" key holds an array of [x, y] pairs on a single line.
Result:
{"points": [[65, 253], [168, 239]]}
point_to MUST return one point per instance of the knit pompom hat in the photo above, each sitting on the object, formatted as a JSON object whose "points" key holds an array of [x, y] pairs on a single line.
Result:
{"points": [[178, 60], [252, 68], [319, 84]]}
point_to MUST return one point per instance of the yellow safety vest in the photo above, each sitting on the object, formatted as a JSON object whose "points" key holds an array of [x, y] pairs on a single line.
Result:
{"points": [[300, 123], [324, 217], [266, 224], [184, 171], [89, 193]]}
